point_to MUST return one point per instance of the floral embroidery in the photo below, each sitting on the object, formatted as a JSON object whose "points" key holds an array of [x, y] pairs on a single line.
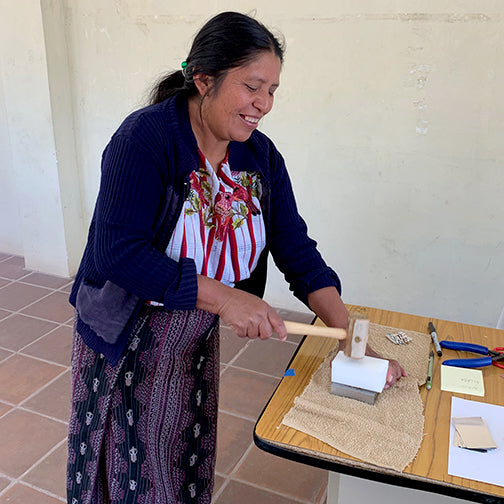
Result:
{"points": [[220, 211], [221, 226]]}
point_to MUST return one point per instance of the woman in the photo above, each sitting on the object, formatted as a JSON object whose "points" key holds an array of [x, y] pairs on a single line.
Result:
{"points": [[192, 199]]}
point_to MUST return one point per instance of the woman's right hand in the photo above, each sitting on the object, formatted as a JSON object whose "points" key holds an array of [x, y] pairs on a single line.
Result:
{"points": [[248, 315]]}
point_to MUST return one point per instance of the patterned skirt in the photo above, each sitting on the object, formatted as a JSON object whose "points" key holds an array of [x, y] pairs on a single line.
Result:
{"points": [[144, 431]]}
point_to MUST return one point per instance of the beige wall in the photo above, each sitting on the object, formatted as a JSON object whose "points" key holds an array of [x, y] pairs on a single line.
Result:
{"points": [[390, 118]]}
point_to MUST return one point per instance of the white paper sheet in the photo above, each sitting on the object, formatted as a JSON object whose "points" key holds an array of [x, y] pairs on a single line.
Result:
{"points": [[486, 467]]}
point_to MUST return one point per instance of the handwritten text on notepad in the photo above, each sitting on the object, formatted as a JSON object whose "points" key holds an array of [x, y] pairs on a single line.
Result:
{"points": [[462, 380]]}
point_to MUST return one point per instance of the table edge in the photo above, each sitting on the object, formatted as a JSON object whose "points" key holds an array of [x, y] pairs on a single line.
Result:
{"points": [[383, 475], [351, 468]]}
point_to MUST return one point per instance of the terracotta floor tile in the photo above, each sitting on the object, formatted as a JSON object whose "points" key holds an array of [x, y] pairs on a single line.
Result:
{"points": [[268, 356], [236, 491], [26, 437], [291, 338], [298, 480], [21, 494], [219, 480], [295, 316], [55, 346], [17, 295], [18, 331], [234, 436], [4, 408], [54, 400], [50, 474], [323, 497], [232, 397], [4, 483], [43, 280], [16, 259], [230, 344], [21, 376], [54, 307], [67, 288], [13, 268], [4, 354]]}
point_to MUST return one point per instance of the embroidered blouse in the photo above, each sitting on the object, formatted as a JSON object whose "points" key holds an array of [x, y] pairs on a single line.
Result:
{"points": [[221, 226]]}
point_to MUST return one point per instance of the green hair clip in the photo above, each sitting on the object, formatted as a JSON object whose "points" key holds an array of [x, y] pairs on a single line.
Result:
{"points": [[184, 65]]}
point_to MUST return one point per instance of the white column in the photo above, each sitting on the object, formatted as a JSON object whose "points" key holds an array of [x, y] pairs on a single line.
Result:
{"points": [[34, 65]]}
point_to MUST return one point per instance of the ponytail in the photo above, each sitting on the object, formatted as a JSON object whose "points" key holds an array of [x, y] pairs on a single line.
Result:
{"points": [[168, 85]]}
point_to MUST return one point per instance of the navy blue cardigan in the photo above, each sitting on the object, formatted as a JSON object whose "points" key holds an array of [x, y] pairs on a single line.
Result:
{"points": [[144, 181]]}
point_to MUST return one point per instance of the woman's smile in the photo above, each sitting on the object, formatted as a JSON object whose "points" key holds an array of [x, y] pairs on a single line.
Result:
{"points": [[233, 110]]}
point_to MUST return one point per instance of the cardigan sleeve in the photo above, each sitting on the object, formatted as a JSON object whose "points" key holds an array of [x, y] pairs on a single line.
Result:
{"points": [[132, 192], [293, 251]]}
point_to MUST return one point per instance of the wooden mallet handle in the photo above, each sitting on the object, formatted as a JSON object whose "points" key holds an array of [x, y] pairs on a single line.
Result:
{"points": [[312, 330]]}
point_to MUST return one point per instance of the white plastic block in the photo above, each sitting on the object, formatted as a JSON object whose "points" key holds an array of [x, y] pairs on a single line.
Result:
{"points": [[369, 373]]}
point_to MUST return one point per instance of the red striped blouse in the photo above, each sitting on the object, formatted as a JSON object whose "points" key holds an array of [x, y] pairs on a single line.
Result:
{"points": [[221, 226]]}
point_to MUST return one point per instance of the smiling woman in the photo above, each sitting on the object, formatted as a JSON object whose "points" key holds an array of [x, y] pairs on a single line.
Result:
{"points": [[236, 52], [233, 111], [192, 200]]}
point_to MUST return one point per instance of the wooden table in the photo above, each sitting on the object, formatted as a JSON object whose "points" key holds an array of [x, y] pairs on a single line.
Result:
{"points": [[428, 471]]}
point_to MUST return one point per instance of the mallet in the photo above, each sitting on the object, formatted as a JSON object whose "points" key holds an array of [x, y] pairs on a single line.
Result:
{"points": [[353, 373]]}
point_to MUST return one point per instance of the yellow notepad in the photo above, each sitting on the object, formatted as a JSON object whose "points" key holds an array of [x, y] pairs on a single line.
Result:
{"points": [[462, 380]]}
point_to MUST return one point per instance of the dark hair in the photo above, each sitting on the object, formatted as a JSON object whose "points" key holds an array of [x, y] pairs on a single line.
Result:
{"points": [[226, 41]]}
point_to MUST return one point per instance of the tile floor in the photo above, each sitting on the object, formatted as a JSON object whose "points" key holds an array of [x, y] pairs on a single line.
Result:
{"points": [[35, 346]]}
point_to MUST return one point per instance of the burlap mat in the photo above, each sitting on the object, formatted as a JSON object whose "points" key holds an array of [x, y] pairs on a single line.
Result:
{"points": [[388, 433]]}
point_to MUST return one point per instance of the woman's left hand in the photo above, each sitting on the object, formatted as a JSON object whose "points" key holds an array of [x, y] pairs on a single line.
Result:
{"points": [[395, 371]]}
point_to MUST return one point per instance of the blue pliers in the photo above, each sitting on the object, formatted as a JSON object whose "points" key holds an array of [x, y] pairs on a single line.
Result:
{"points": [[491, 356]]}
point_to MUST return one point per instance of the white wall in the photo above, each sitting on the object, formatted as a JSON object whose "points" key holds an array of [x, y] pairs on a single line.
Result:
{"points": [[390, 117], [403, 119]]}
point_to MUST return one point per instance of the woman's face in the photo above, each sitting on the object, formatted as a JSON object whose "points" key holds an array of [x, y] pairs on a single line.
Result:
{"points": [[244, 97]]}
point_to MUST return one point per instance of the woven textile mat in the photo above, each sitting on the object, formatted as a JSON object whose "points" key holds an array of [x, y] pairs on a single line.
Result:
{"points": [[388, 433]]}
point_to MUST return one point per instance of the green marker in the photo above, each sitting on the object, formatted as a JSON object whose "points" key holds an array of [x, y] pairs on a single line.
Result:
{"points": [[429, 374]]}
